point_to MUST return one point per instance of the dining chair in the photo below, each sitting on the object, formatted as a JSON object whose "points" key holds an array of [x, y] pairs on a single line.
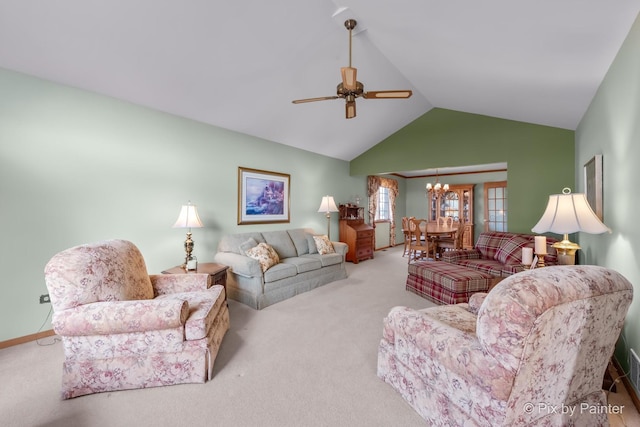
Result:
{"points": [[420, 241], [451, 243], [407, 235]]}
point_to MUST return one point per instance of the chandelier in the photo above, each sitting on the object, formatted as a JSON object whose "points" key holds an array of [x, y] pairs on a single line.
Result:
{"points": [[436, 188]]}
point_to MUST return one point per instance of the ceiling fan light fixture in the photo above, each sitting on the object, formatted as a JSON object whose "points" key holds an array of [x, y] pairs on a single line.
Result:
{"points": [[350, 109]]}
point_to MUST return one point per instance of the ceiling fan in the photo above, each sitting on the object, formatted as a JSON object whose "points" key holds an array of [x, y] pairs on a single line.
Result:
{"points": [[350, 89]]}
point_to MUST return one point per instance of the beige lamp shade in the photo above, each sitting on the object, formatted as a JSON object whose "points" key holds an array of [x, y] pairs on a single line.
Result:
{"points": [[328, 205], [568, 213], [188, 217]]}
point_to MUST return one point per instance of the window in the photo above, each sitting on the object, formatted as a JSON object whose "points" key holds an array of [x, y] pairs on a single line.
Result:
{"points": [[383, 210]]}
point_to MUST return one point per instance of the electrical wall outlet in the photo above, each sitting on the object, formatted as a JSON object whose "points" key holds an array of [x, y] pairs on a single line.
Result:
{"points": [[45, 299]]}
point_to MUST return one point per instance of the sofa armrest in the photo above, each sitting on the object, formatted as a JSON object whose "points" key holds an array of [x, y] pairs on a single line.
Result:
{"points": [[475, 301], [454, 257], [340, 247], [173, 283], [118, 317], [240, 264], [446, 347]]}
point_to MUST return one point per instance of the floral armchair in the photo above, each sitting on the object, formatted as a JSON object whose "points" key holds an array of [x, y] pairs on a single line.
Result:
{"points": [[533, 351], [122, 328]]}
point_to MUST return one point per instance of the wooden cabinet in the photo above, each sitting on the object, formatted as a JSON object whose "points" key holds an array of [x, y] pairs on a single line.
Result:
{"points": [[457, 202], [355, 233]]}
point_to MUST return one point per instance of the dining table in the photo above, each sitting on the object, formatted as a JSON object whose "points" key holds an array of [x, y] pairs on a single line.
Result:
{"points": [[438, 230]]}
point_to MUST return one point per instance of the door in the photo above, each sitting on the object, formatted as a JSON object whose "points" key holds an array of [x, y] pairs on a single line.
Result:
{"points": [[495, 206]]}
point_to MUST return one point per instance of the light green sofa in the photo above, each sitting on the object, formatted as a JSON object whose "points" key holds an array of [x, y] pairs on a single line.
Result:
{"points": [[301, 267]]}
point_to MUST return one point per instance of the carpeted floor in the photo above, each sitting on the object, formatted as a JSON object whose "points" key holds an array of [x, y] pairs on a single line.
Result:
{"points": [[306, 361]]}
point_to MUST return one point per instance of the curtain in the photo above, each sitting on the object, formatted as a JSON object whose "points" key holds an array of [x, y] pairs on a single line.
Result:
{"points": [[373, 184]]}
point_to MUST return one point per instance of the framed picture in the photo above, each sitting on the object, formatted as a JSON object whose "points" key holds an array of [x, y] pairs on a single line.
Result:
{"points": [[593, 183], [263, 196]]}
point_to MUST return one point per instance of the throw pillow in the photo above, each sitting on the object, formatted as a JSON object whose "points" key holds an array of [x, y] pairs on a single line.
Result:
{"points": [[324, 245], [265, 255], [510, 252]]}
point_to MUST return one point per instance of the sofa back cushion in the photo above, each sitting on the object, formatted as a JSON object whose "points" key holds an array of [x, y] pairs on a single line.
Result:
{"points": [[510, 251], [281, 242], [299, 239], [490, 242], [236, 243], [590, 301], [111, 270]]}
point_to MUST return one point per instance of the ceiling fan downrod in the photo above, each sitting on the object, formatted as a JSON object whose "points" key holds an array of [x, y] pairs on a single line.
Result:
{"points": [[350, 24]]}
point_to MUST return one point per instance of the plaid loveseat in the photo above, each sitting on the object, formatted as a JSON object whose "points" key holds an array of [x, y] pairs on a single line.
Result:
{"points": [[498, 253]]}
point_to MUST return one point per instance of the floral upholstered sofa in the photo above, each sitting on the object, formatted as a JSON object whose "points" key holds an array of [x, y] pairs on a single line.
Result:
{"points": [[541, 339], [498, 253], [122, 328], [271, 266]]}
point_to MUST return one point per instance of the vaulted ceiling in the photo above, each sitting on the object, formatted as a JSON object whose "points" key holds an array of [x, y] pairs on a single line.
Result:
{"points": [[239, 64]]}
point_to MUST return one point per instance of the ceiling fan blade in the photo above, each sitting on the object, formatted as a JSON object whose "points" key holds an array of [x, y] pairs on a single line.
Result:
{"points": [[322, 98], [389, 94], [350, 109], [349, 78]]}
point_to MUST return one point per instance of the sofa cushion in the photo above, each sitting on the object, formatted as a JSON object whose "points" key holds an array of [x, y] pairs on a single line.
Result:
{"points": [[326, 260], [490, 266], [303, 264], [232, 242], [265, 255], [489, 243], [323, 244], [311, 243], [510, 252], [299, 239], [248, 244], [280, 271], [281, 242]]}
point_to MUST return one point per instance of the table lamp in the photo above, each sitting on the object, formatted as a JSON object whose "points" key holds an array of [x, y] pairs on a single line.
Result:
{"points": [[188, 218], [569, 213], [328, 205]]}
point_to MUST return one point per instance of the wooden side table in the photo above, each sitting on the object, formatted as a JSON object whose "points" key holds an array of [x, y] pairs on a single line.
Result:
{"points": [[217, 273]]}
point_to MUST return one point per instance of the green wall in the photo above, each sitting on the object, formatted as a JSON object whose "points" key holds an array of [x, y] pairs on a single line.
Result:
{"points": [[77, 167], [540, 158], [611, 127]]}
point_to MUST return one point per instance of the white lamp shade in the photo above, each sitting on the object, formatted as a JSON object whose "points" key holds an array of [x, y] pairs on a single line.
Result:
{"points": [[569, 213], [188, 217], [328, 205]]}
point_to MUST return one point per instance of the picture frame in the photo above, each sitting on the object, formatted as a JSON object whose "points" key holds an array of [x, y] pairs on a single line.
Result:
{"points": [[593, 183], [263, 197]]}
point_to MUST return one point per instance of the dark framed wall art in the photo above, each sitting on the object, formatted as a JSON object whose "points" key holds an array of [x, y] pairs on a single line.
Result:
{"points": [[263, 196], [593, 183]]}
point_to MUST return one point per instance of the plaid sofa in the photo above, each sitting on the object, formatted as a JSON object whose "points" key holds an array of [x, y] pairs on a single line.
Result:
{"points": [[498, 253]]}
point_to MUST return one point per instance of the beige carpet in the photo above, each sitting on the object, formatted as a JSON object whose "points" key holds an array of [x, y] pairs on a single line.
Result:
{"points": [[307, 361]]}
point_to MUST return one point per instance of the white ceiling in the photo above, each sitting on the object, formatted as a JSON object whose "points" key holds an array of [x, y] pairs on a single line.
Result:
{"points": [[238, 64]]}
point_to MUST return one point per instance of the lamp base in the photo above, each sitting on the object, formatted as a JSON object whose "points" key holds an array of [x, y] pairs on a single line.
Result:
{"points": [[566, 251], [188, 259]]}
